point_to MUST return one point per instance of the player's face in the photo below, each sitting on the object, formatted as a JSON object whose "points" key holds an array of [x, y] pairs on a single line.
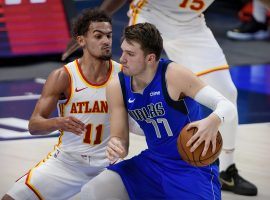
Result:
{"points": [[98, 40], [132, 58]]}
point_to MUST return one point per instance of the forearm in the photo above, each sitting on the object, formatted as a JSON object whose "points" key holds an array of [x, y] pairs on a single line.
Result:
{"points": [[111, 6], [42, 126], [123, 137], [222, 107]]}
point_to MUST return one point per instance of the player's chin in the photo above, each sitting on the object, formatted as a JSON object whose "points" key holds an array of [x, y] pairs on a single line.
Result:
{"points": [[106, 56], [126, 71]]}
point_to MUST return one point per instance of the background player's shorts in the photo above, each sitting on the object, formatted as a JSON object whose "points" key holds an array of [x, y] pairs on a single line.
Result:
{"points": [[190, 43], [148, 176], [59, 176]]}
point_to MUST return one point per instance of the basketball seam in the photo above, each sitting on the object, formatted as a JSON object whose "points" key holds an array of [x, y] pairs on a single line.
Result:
{"points": [[201, 160]]}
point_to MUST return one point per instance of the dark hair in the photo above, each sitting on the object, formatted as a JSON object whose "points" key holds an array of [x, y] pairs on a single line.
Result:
{"points": [[147, 35], [82, 22]]}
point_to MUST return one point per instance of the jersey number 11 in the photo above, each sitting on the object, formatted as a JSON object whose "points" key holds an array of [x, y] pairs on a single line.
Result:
{"points": [[88, 137]]}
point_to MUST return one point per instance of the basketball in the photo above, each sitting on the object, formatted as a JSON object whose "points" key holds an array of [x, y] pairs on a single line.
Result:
{"points": [[194, 158]]}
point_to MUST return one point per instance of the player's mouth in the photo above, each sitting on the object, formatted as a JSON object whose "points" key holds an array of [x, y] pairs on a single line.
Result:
{"points": [[124, 66], [106, 48]]}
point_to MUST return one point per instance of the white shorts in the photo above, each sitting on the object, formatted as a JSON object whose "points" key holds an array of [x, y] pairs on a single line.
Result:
{"points": [[190, 44], [59, 176]]}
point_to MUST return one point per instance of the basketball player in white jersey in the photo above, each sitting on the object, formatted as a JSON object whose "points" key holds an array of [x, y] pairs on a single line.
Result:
{"points": [[188, 41], [78, 89]]}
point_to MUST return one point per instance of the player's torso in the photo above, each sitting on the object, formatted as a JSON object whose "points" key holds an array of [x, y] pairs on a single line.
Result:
{"points": [[159, 116], [87, 103], [172, 11]]}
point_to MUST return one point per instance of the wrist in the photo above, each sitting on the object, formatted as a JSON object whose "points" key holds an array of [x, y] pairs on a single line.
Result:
{"points": [[218, 119]]}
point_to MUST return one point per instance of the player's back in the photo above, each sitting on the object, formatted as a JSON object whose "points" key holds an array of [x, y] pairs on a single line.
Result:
{"points": [[172, 11], [87, 102]]}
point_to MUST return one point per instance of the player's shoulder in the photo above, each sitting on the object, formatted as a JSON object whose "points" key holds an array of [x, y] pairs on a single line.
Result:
{"points": [[59, 75], [117, 67], [178, 75]]}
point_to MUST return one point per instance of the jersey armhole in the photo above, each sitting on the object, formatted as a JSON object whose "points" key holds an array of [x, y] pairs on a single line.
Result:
{"points": [[178, 105]]}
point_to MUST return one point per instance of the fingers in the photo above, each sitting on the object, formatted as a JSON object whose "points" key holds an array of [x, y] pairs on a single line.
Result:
{"points": [[194, 137], [115, 149], [191, 125], [206, 147], [196, 144], [112, 155], [198, 138], [214, 145], [73, 125]]}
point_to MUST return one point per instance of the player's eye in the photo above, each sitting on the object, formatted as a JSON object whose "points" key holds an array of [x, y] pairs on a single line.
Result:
{"points": [[98, 36], [109, 36]]}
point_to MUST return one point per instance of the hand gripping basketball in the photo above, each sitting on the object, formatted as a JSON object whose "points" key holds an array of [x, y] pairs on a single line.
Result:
{"points": [[194, 158]]}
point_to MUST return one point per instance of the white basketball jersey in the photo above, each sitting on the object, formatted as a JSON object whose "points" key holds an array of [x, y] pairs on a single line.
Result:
{"points": [[87, 102], [173, 11]]}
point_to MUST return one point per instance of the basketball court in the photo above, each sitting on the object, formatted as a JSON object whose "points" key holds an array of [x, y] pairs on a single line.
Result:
{"points": [[20, 87]]}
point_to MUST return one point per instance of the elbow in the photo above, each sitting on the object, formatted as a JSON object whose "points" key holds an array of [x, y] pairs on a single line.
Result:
{"points": [[31, 128]]}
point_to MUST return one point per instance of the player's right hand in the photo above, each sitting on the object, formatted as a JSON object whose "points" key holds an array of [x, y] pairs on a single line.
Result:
{"points": [[71, 124], [115, 149]]}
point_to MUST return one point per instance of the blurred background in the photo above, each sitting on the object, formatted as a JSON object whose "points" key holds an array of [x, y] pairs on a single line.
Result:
{"points": [[35, 33]]}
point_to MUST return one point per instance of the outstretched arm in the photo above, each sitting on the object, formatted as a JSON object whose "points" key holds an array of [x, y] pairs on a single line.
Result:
{"points": [[40, 122], [119, 140]]}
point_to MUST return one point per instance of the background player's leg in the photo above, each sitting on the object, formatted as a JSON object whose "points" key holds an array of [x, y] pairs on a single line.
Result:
{"points": [[107, 185], [221, 81]]}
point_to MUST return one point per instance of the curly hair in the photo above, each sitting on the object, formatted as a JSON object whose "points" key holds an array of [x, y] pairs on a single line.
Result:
{"points": [[81, 24]]}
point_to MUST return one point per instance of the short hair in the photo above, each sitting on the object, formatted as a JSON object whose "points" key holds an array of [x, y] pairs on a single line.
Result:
{"points": [[147, 35], [81, 24]]}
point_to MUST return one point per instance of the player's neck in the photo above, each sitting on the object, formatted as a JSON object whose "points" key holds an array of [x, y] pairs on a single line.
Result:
{"points": [[144, 78], [95, 70]]}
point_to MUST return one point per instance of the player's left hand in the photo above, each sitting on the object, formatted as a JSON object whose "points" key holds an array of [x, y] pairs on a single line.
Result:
{"points": [[207, 132], [115, 149]]}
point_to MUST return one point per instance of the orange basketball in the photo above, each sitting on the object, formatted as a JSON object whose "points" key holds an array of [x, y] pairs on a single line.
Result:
{"points": [[194, 158]]}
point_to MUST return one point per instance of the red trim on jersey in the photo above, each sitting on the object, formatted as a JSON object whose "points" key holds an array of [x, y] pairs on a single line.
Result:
{"points": [[95, 84]]}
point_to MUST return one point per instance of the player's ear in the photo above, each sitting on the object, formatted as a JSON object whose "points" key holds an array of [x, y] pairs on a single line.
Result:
{"points": [[151, 57], [81, 41]]}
